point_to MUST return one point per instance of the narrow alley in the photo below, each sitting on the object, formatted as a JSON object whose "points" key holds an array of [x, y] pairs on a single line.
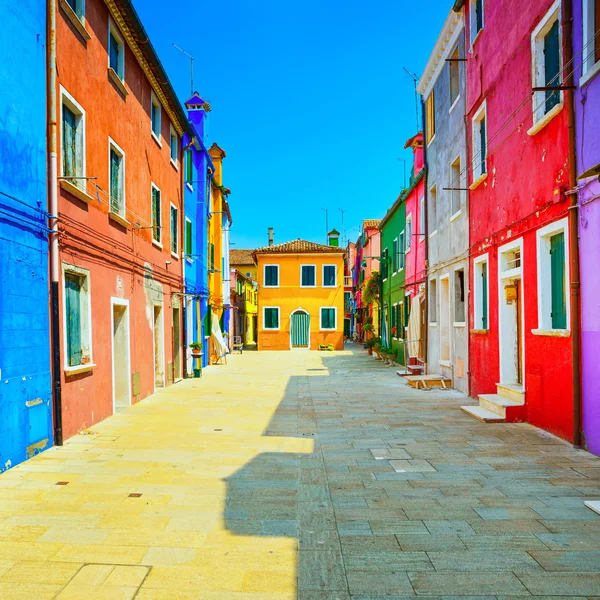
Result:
{"points": [[301, 475]]}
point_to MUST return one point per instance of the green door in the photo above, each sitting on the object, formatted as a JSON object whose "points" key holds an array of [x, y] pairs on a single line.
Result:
{"points": [[300, 329]]}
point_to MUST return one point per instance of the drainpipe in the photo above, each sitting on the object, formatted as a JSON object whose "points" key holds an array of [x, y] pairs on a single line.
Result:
{"points": [[53, 210], [425, 193], [567, 16]]}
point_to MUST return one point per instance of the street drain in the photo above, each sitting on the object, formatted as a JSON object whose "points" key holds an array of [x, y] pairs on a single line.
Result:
{"points": [[134, 495], [62, 483], [308, 434], [217, 430]]}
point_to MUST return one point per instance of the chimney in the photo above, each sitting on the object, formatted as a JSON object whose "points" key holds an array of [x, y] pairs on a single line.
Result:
{"points": [[271, 236]]}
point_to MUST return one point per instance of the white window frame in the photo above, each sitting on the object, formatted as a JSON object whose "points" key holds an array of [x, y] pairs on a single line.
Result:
{"points": [[431, 214], [544, 281], [402, 251], [155, 102], [395, 256], [456, 184], [112, 145], [79, 11], [188, 257], [478, 292], [422, 228], [323, 276], [265, 275], [315, 270], [394, 337], [538, 75], [173, 134], [465, 294], [408, 236], [86, 310], [158, 243], [445, 362], [590, 67], [278, 309], [114, 30], [451, 62], [74, 106], [321, 328], [478, 174], [473, 35], [435, 282], [385, 258], [174, 253]]}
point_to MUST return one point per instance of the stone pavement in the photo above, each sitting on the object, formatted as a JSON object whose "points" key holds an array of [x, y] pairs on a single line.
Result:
{"points": [[317, 476]]}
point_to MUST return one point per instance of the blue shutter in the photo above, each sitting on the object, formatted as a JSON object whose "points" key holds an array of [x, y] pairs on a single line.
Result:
{"points": [[483, 138], [484, 296]]}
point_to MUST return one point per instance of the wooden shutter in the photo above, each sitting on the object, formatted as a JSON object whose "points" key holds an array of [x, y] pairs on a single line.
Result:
{"points": [[552, 66], [212, 257], [484, 296], [69, 142], [395, 255], [430, 116], [174, 229], [478, 15], [557, 277], [73, 317], [483, 142], [156, 232], [188, 237], [115, 187]]}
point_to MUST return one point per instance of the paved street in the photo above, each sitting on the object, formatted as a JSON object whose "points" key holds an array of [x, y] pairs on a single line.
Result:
{"points": [[317, 476]]}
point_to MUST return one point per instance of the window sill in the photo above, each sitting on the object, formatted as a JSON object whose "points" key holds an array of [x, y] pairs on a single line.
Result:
{"points": [[433, 233], [545, 119], [79, 369], [324, 329], [552, 332], [75, 20], [155, 138], [174, 255], [456, 215], [271, 287], [454, 104], [114, 77], [157, 244], [330, 286], [113, 216], [189, 185], [459, 324], [188, 260], [589, 74], [478, 181], [479, 331], [431, 141], [308, 286], [174, 165], [445, 363], [75, 190], [475, 40], [433, 324]]}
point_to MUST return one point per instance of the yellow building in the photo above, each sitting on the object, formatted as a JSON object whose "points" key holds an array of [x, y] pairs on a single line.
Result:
{"points": [[300, 296], [242, 261], [246, 307]]}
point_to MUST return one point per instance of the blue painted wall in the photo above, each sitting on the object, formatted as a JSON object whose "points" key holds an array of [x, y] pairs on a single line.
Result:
{"points": [[196, 210], [25, 383]]}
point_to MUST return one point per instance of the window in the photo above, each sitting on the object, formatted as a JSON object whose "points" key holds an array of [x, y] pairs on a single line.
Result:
{"points": [[328, 318], [453, 66], [401, 256], [433, 210], [329, 276], [73, 140], [481, 292], [211, 257], [546, 59], [480, 143], [422, 217], [552, 251], [188, 238], [430, 117], [476, 18], [591, 27], [155, 116], [459, 296], [432, 301], [174, 145], [271, 276], [156, 216], [78, 338], [408, 233], [308, 276], [189, 173], [455, 185], [117, 179], [116, 51], [174, 230], [271, 317], [78, 7], [384, 264], [395, 256]]}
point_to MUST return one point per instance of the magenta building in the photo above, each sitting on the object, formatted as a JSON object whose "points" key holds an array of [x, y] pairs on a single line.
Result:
{"points": [[586, 51]]}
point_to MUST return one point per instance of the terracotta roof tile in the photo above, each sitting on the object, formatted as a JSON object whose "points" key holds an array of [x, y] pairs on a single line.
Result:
{"points": [[371, 223], [240, 257], [298, 247]]}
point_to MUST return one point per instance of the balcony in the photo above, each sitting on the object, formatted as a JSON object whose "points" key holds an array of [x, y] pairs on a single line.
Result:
{"points": [[348, 281]]}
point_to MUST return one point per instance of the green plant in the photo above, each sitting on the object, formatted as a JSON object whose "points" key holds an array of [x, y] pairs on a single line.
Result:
{"points": [[196, 346], [371, 293], [368, 327], [373, 342]]}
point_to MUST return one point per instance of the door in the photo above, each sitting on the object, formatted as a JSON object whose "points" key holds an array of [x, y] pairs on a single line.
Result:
{"points": [[445, 320], [120, 358], [176, 344], [300, 329], [158, 347], [519, 335]]}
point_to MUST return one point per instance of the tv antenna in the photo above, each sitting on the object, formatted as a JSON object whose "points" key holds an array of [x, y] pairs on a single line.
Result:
{"points": [[191, 66], [415, 78]]}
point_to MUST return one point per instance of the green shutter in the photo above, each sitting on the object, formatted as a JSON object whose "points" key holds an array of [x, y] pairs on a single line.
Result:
{"points": [[156, 232], [212, 257], [483, 138], [401, 251], [188, 238], [174, 229], [328, 318], [300, 329], [394, 256], [557, 276], [484, 296], [73, 316], [115, 187], [208, 321], [69, 143], [552, 66]]}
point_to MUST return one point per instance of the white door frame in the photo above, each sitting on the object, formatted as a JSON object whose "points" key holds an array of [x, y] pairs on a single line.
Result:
{"points": [[445, 362], [119, 302], [162, 343], [299, 309]]}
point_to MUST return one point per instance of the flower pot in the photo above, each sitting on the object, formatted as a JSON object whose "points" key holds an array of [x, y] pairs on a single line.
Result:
{"points": [[196, 352], [370, 351]]}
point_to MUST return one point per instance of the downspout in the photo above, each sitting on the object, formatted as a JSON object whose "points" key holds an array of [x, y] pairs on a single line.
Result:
{"points": [[567, 8], [425, 180], [182, 259], [53, 210]]}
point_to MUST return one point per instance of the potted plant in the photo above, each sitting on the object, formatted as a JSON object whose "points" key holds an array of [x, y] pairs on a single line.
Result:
{"points": [[196, 347], [370, 343]]}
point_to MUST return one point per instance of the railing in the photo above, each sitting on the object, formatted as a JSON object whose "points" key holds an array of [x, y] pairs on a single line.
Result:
{"points": [[348, 281]]}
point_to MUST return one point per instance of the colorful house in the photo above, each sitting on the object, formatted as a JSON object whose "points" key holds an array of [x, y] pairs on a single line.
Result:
{"points": [[520, 315], [586, 51], [242, 261], [120, 194], [25, 388], [198, 169], [300, 296], [244, 307], [442, 87], [349, 260]]}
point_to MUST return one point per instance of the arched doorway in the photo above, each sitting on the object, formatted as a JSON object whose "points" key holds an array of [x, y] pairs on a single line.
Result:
{"points": [[300, 329]]}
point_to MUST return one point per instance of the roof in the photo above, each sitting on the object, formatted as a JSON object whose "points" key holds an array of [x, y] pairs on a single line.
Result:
{"points": [[334, 232], [241, 257], [299, 247], [404, 194], [415, 140], [196, 102], [371, 223]]}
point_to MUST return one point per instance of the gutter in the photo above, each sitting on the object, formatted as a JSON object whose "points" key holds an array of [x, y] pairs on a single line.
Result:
{"points": [[458, 5], [424, 171], [403, 195]]}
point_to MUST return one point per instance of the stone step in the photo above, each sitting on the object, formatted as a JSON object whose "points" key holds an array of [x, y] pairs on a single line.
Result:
{"points": [[482, 414], [513, 391], [426, 381], [497, 404], [593, 505]]}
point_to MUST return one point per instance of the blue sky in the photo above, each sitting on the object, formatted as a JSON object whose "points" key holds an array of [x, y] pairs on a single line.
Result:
{"points": [[309, 101]]}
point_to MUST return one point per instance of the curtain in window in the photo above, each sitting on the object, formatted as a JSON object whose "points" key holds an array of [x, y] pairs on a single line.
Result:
{"points": [[300, 329], [73, 316], [69, 145]]}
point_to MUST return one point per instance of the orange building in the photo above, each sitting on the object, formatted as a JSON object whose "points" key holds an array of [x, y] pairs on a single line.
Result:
{"points": [[300, 296], [120, 182]]}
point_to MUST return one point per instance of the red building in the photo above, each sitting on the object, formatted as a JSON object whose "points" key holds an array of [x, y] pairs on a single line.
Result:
{"points": [[120, 181], [520, 333]]}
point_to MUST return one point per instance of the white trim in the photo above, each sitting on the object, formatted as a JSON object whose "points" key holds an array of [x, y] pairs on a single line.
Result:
{"points": [[188, 257], [549, 116], [477, 159], [113, 28], [335, 267], [78, 22], [473, 19], [460, 267], [278, 328], [162, 344], [395, 257], [429, 321], [456, 182], [159, 226], [456, 215], [544, 283], [454, 104], [477, 292], [121, 152], [265, 275], [120, 302], [589, 67], [445, 361], [315, 270], [77, 108], [172, 131], [173, 252], [589, 74], [154, 101], [321, 328], [407, 235]]}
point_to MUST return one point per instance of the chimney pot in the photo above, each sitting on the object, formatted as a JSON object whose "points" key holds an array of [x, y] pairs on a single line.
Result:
{"points": [[271, 236]]}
